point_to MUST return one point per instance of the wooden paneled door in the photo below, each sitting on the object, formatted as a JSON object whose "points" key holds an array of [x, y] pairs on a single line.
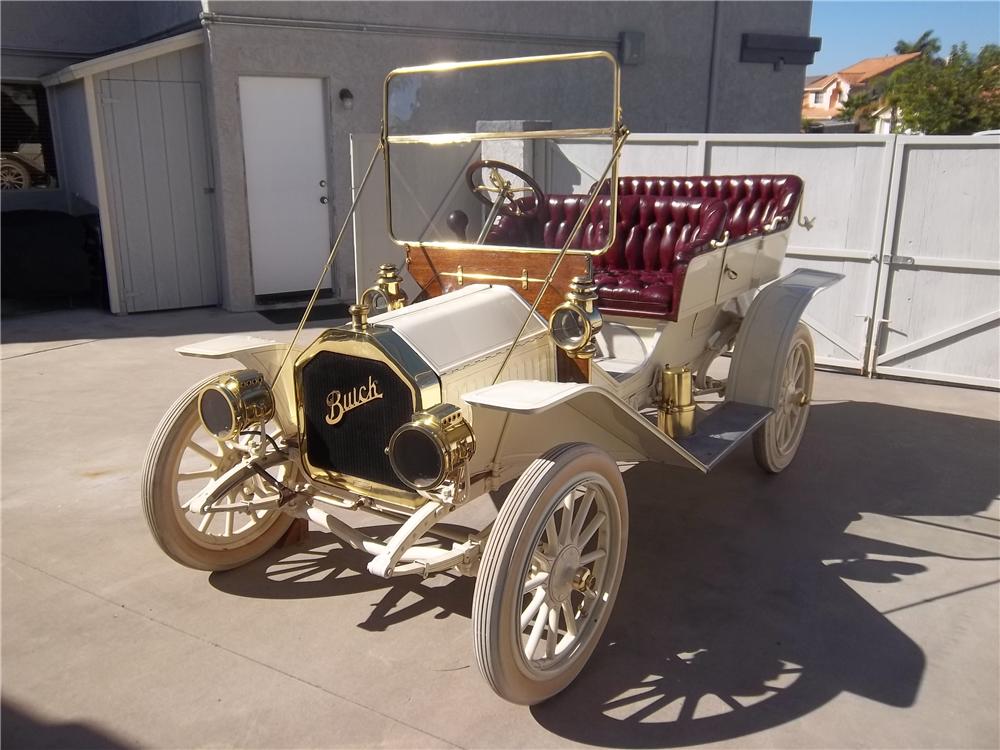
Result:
{"points": [[158, 167]]}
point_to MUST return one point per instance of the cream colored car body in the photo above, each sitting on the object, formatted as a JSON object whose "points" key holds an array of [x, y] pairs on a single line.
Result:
{"points": [[464, 335]]}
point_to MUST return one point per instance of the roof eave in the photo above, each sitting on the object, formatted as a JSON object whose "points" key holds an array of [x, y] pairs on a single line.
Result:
{"points": [[124, 57]]}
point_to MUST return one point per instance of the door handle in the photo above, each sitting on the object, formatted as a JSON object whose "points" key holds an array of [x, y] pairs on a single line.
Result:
{"points": [[324, 200], [731, 273]]}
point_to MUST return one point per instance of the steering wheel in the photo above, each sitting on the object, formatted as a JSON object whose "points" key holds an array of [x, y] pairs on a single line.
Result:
{"points": [[499, 185]]}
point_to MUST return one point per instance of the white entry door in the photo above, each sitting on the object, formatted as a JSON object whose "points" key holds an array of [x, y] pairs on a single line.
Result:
{"points": [[284, 147]]}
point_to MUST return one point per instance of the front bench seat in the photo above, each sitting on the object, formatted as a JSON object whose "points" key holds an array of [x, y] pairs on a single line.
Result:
{"points": [[642, 273]]}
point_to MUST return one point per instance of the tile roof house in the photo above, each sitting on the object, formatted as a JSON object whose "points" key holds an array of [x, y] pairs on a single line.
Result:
{"points": [[823, 96]]}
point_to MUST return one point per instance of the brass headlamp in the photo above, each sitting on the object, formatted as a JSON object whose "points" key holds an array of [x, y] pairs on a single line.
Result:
{"points": [[426, 451], [234, 402], [576, 321]]}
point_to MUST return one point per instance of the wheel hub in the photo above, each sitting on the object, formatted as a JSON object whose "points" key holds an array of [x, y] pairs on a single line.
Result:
{"points": [[564, 571]]}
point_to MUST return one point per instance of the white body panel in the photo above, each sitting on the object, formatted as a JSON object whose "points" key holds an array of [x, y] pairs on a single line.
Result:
{"points": [[458, 328], [284, 149], [539, 415]]}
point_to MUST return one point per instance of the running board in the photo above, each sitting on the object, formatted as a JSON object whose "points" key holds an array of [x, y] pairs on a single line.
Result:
{"points": [[722, 429], [718, 432]]}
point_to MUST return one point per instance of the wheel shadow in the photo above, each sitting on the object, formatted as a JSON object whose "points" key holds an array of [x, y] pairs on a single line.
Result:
{"points": [[734, 617], [320, 566]]}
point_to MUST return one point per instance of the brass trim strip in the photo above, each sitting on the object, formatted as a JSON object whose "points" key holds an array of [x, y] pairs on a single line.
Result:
{"points": [[437, 139], [462, 277], [441, 67]]}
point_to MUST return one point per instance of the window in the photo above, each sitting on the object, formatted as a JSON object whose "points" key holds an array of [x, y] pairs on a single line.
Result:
{"points": [[817, 97], [27, 154]]}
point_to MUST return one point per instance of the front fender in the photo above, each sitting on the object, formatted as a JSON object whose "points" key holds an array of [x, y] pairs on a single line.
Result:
{"points": [[536, 415], [766, 333], [263, 355]]}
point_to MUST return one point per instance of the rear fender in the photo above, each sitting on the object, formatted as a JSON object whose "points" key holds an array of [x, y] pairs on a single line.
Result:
{"points": [[766, 334], [528, 417]]}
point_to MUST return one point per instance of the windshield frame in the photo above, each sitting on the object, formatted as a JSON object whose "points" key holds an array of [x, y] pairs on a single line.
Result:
{"points": [[616, 132]]}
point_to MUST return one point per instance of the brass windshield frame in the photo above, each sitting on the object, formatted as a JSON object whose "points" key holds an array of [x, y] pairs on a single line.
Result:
{"points": [[616, 132]]}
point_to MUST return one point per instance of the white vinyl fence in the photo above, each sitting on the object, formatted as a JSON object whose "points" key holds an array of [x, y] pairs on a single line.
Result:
{"points": [[913, 223]]}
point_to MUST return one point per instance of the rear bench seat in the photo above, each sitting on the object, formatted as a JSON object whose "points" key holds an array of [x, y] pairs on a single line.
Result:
{"points": [[753, 200], [663, 222]]}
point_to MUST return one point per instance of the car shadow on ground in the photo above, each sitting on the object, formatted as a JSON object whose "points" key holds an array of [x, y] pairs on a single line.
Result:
{"points": [[734, 615], [323, 567]]}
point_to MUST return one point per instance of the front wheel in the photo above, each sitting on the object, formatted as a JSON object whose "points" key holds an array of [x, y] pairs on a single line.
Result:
{"points": [[550, 573], [777, 440], [182, 458]]}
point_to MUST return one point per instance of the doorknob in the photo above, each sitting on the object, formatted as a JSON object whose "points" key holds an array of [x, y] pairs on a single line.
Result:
{"points": [[324, 200]]}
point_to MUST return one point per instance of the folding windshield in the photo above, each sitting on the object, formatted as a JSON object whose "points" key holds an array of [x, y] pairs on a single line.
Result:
{"points": [[500, 154]]}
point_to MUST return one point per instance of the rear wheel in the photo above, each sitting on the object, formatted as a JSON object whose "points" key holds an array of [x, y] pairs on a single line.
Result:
{"points": [[182, 458], [777, 440], [550, 573]]}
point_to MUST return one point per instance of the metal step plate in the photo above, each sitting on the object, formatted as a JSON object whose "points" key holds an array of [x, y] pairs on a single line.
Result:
{"points": [[722, 429]]}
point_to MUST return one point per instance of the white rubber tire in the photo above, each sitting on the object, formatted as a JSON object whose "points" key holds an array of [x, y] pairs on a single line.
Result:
{"points": [[160, 501], [509, 553], [776, 442]]}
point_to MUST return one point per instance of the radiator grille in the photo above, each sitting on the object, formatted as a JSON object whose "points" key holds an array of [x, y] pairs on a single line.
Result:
{"points": [[354, 446]]}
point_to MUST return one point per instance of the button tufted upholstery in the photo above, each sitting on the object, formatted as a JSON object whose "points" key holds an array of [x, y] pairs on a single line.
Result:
{"points": [[663, 222], [643, 271], [753, 200], [553, 223]]}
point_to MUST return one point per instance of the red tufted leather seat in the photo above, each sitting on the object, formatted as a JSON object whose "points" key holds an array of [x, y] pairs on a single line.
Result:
{"points": [[753, 200], [663, 222], [643, 270]]}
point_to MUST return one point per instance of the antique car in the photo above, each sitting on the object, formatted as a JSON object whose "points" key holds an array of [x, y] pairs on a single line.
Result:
{"points": [[563, 323]]}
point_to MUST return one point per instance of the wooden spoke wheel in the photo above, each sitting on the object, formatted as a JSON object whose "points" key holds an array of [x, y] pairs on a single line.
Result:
{"points": [[777, 440], [550, 573], [182, 458]]}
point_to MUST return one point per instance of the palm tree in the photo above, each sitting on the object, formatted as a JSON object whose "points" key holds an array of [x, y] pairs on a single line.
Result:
{"points": [[926, 44]]}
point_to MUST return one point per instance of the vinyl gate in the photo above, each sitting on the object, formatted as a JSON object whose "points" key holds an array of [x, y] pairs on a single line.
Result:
{"points": [[938, 301], [911, 221]]}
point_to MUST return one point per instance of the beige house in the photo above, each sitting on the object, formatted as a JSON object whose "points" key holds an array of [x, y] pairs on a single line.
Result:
{"points": [[823, 96]]}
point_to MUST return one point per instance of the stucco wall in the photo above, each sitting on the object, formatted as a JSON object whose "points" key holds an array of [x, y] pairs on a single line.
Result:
{"points": [[42, 37], [669, 91]]}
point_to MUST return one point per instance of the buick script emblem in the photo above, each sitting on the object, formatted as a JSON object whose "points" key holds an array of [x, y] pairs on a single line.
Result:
{"points": [[340, 403]]}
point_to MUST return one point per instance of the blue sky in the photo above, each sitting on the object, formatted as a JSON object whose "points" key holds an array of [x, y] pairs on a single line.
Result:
{"points": [[852, 31]]}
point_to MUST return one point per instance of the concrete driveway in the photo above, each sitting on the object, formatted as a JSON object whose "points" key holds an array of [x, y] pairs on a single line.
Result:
{"points": [[850, 602]]}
